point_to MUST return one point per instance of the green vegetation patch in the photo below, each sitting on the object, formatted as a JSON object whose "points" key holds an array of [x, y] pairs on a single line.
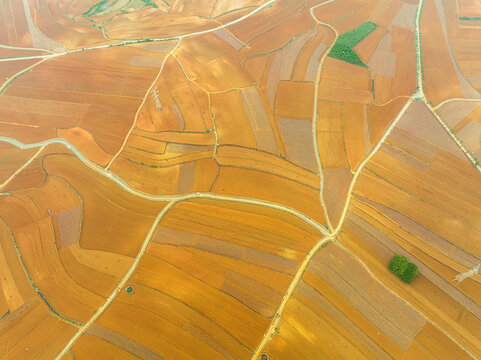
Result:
{"points": [[404, 269], [129, 290], [104, 7], [342, 49], [345, 53], [150, 3], [410, 273], [470, 18], [97, 8]]}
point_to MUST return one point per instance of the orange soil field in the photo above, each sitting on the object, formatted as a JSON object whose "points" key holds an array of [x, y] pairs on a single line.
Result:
{"points": [[13, 25], [393, 212], [198, 179], [464, 44], [227, 284], [63, 94], [465, 123], [12, 159], [469, 8], [440, 78]]}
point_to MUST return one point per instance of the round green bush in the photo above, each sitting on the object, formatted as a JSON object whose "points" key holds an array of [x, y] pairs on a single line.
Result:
{"points": [[398, 264], [410, 273]]}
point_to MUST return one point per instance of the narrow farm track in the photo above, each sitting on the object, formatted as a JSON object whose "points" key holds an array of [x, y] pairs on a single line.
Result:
{"points": [[123, 281], [19, 170], [142, 103], [447, 101], [143, 195], [314, 112]]}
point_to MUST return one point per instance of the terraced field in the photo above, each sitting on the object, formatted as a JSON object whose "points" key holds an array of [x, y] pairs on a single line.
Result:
{"points": [[213, 179]]}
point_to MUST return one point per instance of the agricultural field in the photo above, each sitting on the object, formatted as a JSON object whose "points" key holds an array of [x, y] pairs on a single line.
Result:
{"points": [[242, 179]]}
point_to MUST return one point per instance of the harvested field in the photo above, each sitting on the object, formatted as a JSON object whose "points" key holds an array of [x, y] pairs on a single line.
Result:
{"points": [[295, 100], [337, 297], [441, 82], [393, 212], [463, 42], [242, 179], [223, 289], [63, 93], [403, 83], [12, 159], [344, 82], [237, 181]]}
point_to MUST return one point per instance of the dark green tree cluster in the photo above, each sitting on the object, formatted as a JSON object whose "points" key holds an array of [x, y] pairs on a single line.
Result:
{"points": [[404, 269], [345, 53], [342, 49]]}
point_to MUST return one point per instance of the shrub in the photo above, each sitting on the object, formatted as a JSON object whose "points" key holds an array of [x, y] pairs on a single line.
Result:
{"points": [[398, 264], [405, 270], [410, 273]]}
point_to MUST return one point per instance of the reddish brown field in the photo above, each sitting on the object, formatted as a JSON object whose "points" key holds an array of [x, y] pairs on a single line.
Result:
{"points": [[463, 42], [441, 82], [200, 179]]}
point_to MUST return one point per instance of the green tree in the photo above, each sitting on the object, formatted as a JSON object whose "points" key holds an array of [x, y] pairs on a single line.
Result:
{"points": [[398, 264], [410, 273]]}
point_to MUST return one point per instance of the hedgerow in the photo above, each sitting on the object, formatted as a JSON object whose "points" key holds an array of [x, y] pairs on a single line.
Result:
{"points": [[469, 18]]}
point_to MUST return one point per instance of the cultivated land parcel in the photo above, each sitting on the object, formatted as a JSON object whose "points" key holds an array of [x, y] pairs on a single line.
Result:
{"points": [[230, 179]]}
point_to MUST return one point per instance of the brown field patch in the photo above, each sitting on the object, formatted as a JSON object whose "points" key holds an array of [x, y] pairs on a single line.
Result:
{"points": [[345, 82], [357, 17], [366, 47], [259, 185], [307, 62], [333, 11], [145, 24], [252, 159], [51, 22], [11, 159], [469, 8], [404, 82], [13, 24], [77, 90], [222, 277], [266, 19], [125, 232], [406, 202], [380, 117], [233, 125], [330, 135], [33, 328], [89, 346], [86, 144], [295, 100], [337, 297], [385, 12], [296, 29], [441, 82]]}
